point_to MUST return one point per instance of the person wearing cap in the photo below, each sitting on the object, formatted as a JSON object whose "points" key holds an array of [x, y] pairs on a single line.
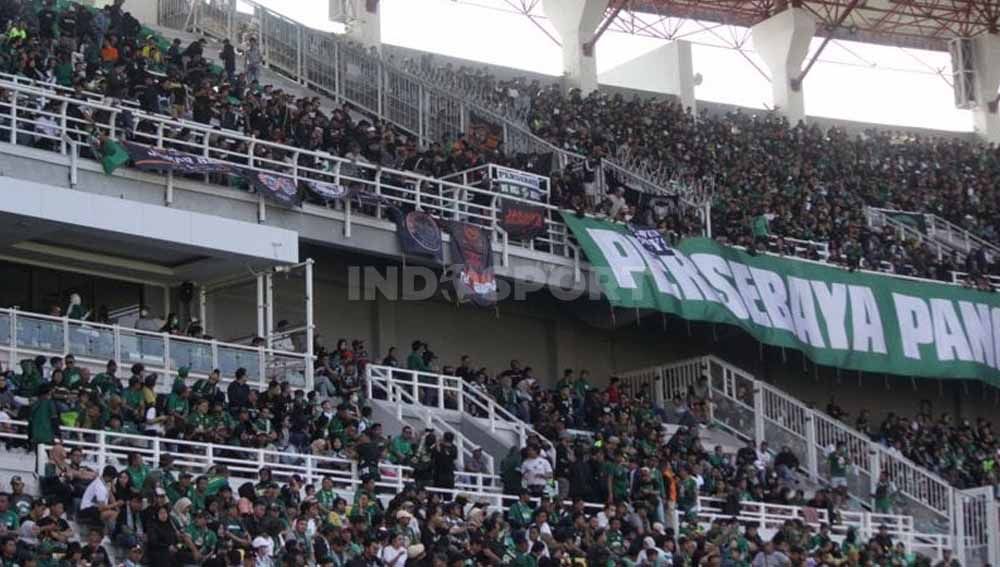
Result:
{"points": [[21, 502]]}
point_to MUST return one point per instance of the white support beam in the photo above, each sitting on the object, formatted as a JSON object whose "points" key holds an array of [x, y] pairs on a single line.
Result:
{"points": [[577, 22], [782, 41]]}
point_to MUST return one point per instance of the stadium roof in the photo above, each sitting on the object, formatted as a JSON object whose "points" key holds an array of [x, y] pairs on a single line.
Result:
{"points": [[924, 24]]}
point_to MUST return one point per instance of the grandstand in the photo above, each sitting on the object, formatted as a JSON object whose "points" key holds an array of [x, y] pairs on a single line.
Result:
{"points": [[275, 296]]}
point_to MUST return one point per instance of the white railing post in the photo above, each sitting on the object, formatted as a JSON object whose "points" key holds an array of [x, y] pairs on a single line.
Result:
{"points": [[12, 361], [876, 468], [102, 450], [166, 355], [758, 411], [13, 118], [65, 334], [812, 456]]}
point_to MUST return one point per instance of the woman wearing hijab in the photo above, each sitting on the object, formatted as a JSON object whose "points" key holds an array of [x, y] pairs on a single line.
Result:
{"points": [[161, 539], [181, 514]]}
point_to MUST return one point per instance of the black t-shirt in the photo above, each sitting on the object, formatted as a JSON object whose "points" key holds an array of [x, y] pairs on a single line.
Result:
{"points": [[444, 460], [46, 21]]}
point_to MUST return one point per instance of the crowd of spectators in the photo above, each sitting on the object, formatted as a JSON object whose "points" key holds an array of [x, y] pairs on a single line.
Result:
{"points": [[626, 492], [962, 451], [813, 183]]}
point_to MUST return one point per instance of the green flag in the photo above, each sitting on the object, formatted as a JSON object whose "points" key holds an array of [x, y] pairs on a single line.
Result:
{"points": [[114, 156]]}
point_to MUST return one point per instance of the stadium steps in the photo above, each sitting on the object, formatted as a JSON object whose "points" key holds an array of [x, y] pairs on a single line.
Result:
{"points": [[268, 76]]}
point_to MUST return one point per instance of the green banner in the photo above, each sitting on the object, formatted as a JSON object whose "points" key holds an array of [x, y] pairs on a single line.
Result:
{"points": [[837, 318]]}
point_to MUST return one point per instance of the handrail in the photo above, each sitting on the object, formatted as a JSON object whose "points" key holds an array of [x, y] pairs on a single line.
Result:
{"points": [[866, 524], [466, 398], [936, 225], [288, 48], [94, 344], [400, 396], [771, 407], [203, 140], [116, 445]]}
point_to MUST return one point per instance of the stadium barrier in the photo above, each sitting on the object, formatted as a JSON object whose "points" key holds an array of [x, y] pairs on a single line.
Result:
{"points": [[347, 71], [27, 335], [23, 123], [435, 391], [112, 448], [866, 524], [243, 465], [755, 411]]}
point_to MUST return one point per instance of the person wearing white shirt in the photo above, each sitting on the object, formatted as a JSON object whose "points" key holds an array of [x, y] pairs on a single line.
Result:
{"points": [[536, 472], [653, 556], [395, 555], [98, 505]]}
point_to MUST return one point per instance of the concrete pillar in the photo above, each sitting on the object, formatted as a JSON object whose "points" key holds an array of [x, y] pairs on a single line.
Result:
{"points": [[576, 21], [668, 70], [986, 49], [363, 19], [782, 41]]}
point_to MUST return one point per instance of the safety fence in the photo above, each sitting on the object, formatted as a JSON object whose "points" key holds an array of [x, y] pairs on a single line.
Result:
{"points": [[25, 335], [755, 411]]}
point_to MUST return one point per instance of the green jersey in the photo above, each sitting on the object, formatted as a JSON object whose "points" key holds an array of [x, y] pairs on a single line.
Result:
{"points": [[204, 539]]}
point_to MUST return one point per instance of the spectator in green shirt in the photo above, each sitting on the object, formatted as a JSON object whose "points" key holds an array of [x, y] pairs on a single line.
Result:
{"points": [[416, 359]]}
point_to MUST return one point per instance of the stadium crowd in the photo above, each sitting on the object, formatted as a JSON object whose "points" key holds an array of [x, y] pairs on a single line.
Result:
{"points": [[747, 156], [813, 184], [614, 502], [959, 450]]}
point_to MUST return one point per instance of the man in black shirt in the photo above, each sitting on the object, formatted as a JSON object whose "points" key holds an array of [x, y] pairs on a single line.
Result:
{"points": [[370, 556], [443, 457], [47, 21]]}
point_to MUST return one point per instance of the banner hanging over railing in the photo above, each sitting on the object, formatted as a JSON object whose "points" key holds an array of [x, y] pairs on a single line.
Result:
{"points": [[858, 321]]}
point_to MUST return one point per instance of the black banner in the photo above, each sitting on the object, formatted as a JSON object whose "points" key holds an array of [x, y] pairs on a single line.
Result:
{"points": [[148, 158], [278, 188], [326, 192], [419, 235], [472, 264], [521, 220]]}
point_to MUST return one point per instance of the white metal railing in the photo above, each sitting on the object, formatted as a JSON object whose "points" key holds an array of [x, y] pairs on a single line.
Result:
{"points": [[23, 122], [800, 247], [24, 334], [244, 464], [449, 393], [378, 85], [756, 411], [866, 524], [112, 448], [401, 397]]}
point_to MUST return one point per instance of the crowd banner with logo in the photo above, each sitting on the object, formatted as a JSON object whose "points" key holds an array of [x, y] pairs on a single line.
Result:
{"points": [[858, 321], [419, 235], [521, 220], [278, 188], [147, 158], [472, 264], [326, 192]]}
